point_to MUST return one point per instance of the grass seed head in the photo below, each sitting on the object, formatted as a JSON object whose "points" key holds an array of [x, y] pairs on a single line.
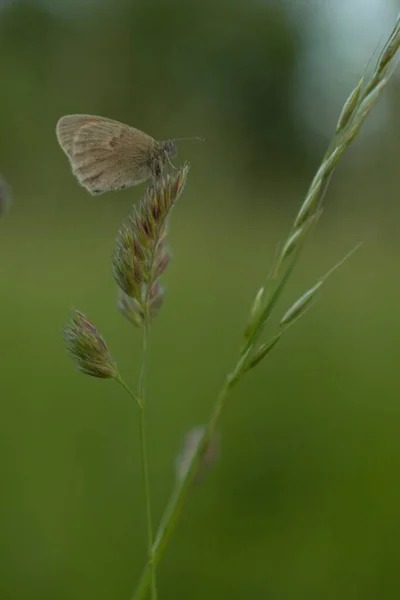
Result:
{"points": [[87, 348], [141, 255]]}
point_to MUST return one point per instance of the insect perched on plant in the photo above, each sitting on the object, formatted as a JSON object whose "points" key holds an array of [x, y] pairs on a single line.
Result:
{"points": [[106, 155]]}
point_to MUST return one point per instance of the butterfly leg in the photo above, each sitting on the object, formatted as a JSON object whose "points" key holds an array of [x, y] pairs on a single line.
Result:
{"points": [[171, 165]]}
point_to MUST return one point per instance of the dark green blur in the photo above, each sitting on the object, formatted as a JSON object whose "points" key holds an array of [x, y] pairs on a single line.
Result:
{"points": [[304, 502]]}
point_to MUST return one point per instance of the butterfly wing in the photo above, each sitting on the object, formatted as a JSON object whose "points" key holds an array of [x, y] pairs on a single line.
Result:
{"points": [[105, 154]]}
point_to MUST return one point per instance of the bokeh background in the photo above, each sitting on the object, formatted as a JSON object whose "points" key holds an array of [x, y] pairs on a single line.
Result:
{"points": [[304, 501]]}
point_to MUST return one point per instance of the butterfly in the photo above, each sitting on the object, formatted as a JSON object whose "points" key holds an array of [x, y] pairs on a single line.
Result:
{"points": [[107, 155]]}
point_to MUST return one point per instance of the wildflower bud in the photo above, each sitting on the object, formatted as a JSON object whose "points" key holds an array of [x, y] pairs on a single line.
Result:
{"points": [[87, 348], [190, 446], [5, 196]]}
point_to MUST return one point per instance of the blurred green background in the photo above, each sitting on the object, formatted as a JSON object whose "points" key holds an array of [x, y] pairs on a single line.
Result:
{"points": [[304, 499]]}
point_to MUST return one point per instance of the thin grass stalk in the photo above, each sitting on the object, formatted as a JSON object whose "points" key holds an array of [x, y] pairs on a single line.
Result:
{"points": [[173, 509], [144, 457], [340, 142], [143, 442]]}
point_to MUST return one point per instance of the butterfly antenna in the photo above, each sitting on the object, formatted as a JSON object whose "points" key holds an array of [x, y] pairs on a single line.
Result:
{"points": [[199, 139]]}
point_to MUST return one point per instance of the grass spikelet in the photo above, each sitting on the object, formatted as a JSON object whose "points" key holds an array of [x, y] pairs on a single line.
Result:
{"points": [[309, 204], [262, 351], [141, 254], [300, 306], [349, 107], [87, 348], [255, 313]]}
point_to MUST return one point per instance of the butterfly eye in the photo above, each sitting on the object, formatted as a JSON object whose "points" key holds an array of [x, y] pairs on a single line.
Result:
{"points": [[170, 148]]}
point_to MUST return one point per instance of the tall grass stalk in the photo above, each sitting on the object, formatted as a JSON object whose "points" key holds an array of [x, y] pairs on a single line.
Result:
{"points": [[143, 451], [352, 116], [139, 260]]}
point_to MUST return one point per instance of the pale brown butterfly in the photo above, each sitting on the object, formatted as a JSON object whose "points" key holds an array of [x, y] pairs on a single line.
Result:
{"points": [[107, 155]]}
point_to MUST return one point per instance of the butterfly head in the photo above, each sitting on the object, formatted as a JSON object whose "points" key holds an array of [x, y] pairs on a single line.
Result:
{"points": [[169, 148]]}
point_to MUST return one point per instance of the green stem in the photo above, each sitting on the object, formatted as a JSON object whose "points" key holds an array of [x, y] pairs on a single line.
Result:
{"points": [[146, 487], [173, 509], [145, 462], [143, 443], [140, 401], [129, 391], [277, 284], [142, 375]]}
